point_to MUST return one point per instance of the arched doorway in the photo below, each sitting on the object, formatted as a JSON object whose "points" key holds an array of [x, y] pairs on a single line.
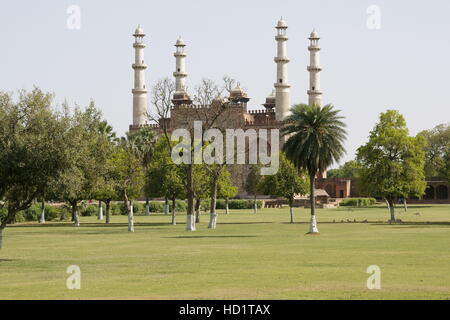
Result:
{"points": [[429, 193], [442, 192]]}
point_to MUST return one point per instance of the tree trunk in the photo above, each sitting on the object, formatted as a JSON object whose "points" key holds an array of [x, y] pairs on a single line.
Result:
{"points": [[1, 237], [392, 209], [198, 203], [108, 211], [174, 215], [405, 205], [166, 206], [190, 220], [4, 223], [100, 211], [131, 218], [227, 210], [387, 204], [147, 207], [255, 205], [213, 204], [76, 219], [42, 218], [291, 210], [129, 207], [312, 198], [73, 212]]}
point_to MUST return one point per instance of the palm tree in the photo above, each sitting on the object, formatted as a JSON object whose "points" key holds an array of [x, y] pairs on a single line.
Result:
{"points": [[316, 140], [142, 143]]}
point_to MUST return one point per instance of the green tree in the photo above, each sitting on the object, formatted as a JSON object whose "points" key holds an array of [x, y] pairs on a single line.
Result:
{"points": [[164, 178], [87, 146], [287, 183], [252, 183], [201, 188], [437, 151], [316, 140], [392, 161], [105, 189], [226, 188], [32, 150], [143, 143], [129, 176], [350, 169]]}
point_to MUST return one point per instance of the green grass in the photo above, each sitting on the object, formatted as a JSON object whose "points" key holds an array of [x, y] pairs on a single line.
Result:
{"points": [[248, 257]]}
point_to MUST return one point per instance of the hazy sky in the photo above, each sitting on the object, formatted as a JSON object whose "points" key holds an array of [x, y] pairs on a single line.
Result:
{"points": [[403, 65]]}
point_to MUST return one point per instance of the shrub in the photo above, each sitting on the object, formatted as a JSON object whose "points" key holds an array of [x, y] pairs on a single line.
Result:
{"points": [[138, 209], [220, 204], [180, 206], [53, 213], [156, 207], [3, 213], [204, 205], [119, 208], [89, 211], [65, 213], [33, 213], [116, 209], [238, 204], [358, 202]]}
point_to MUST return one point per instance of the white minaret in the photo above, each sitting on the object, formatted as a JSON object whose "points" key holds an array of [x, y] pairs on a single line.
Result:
{"points": [[282, 98], [314, 93], [139, 91], [180, 96], [180, 72]]}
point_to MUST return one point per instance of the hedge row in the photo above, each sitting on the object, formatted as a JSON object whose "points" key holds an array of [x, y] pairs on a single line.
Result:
{"points": [[34, 213], [358, 202], [54, 213], [238, 204]]}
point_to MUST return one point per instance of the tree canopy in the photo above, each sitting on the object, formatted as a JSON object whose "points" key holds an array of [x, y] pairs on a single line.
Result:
{"points": [[437, 151], [350, 169], [316, 140], [392, 161], [32, 149]]}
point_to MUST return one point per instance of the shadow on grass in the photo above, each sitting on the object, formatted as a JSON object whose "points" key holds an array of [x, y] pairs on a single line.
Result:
{"points": [[6, 260], [83, 225], [414, 224], [200, 237], [261, 222]]}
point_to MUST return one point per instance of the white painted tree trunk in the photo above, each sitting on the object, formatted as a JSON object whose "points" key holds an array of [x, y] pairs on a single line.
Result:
{"points": [[131, 219], [174, 215], [313, 225], [291, 210], [77, 219], [1, 238], [255, 207], [194, 228], [212, 220], [147, 210], [42, 218], [405, 205], [100, 211], [166, 207], [190, 222]]}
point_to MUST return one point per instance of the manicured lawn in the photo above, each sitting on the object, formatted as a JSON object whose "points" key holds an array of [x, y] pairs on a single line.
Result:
{"points": [[248, 257]]}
